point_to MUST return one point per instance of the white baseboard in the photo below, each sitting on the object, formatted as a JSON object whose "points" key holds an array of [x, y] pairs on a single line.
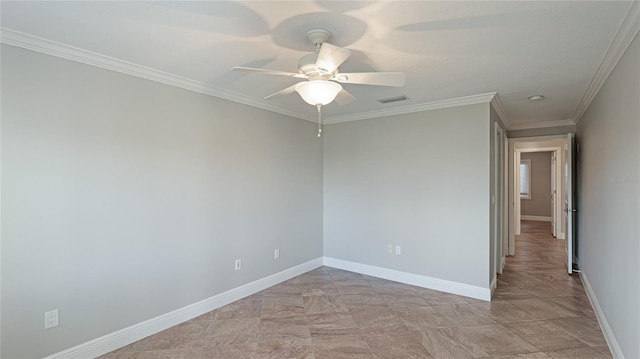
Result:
{"points": [[115, 340], [560, 236], [535, 218], [616, 351], [494, 285], [410, 278]]}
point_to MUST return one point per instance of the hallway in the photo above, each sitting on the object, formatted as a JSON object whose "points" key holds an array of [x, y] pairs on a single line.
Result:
{"points": [[536, 280]]}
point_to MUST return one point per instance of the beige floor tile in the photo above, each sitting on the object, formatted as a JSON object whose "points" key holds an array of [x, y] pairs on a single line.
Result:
{"points": [[332, 324], [450, 343], [324, 304], [406, 346], [228, 351], [376, 320], [243, 308], [543, 308], [355, 301], [503, 312], [538, 355], [497, 340], [555, 289], [324, 288], [510, 292], [341, 347], [580, 353], [604, 349], [285, 329], [584, 328], [579, 304], [463, 314], [208, 316], [232, 331], [280, 349], [282, 305], [355, 287], [170, 354], [422, 317], [545, 336], [178, 337]]}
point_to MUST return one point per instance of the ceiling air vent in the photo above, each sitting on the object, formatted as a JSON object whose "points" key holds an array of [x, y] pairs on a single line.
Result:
{"points": [[393, 99]]}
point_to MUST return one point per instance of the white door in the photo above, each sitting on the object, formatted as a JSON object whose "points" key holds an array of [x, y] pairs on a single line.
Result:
{"points": [[569, 201], [516, 187], [514, 198], [498, 198], [553, 193]]}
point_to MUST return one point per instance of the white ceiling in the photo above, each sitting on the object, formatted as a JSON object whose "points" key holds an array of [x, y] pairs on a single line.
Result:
{"points": [[447, 49]]}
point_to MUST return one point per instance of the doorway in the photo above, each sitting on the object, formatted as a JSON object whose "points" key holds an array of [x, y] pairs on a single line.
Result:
{"points": [[557, 169]]}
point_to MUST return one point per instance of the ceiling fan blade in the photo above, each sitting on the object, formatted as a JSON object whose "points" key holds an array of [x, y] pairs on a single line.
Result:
{"points": [[344, 97], [331, 56], [269, 72], [289, 90], [395, 79]]}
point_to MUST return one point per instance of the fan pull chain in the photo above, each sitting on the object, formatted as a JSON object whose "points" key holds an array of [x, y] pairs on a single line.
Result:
{"points": [[319, 106]]}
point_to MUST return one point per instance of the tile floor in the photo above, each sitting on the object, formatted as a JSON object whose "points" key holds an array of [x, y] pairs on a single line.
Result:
{"points": [[538, 312]]}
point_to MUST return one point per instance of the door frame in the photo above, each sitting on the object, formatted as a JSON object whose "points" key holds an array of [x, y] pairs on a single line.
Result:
{"points": [[531, 144], [554, 190], [557, 150], [570, 203], [498, 201]]}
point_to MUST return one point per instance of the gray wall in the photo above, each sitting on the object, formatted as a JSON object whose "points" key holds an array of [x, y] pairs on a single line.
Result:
{"points": [[609, 199], [540, 202], [419, 180], [545, 131], [124, 199]]}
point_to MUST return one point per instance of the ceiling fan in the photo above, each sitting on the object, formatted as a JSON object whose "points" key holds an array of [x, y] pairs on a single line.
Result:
{"points": [[320, 69]]}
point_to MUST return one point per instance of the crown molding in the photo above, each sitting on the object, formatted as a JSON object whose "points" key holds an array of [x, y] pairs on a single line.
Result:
{"points": [[454, 102], [53, 48], [497, 106], [543, 124], [627, 31]]}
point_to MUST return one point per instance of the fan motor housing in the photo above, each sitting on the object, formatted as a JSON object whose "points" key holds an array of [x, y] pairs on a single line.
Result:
{"points": [[307, 64]]}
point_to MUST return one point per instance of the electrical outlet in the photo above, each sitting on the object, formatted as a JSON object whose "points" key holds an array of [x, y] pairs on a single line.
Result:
{"points": [[398, 250], [238, 264], [51, 318], [390, 248], [276, 254]]}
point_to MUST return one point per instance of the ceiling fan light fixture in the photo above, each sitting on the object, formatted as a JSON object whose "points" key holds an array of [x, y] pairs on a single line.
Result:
{"points": [[318, 92]]}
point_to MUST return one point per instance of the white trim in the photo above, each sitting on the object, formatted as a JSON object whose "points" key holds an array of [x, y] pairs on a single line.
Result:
{"points": [[494, 285], [496, 103], [53, 48], [442, 285], [561, 235], [518, 141], [602, 320], [535, 218], [542, 124], [115, 340], [454, 102], [624, 36]]}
